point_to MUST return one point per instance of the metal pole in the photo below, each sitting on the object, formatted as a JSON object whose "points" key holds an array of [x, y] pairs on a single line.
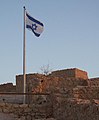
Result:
{"points": [[24, 60]]}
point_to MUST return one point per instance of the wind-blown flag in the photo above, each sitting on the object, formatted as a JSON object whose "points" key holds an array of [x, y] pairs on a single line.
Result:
{"points": [[34, 25]]}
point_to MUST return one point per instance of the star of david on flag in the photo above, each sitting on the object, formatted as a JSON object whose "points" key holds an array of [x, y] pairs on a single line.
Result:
{"points": [[34, 25]]}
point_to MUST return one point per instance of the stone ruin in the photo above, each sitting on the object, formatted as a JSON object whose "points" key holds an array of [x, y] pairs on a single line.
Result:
{"points": [[57, 79], [62, 95], [74, 83]]}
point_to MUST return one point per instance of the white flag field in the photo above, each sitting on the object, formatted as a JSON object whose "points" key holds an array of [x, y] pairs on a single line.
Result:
{"points": [[34, 25]]}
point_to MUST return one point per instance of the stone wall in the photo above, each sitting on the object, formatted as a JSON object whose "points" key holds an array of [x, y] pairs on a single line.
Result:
{"points": [[37, 83], [83, 92], [19, 83], [41, 83], [61, 85], [25, 112], [80, 74], [32, 81], [74, 109], [11, 98], [71, 73], [51, 84], [53, 107], [93, 82], [40, 108], [8, 87]]}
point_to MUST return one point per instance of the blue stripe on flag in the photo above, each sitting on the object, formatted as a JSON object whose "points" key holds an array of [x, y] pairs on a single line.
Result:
{"points": [[34, 20]]}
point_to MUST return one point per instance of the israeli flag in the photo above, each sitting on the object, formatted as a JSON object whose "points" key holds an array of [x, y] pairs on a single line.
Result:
{"points": [[34, 25]]}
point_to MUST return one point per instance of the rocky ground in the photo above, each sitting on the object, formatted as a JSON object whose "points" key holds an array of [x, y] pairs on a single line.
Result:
{"points": [[6, 117]]}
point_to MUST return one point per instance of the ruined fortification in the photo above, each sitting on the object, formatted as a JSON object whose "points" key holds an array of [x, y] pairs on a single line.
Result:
{"points": [[62, 95], [56, 81], [35, 81]]}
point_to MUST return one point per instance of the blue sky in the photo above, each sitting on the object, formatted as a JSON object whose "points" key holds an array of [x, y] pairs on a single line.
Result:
{"points": [[70, 38]]}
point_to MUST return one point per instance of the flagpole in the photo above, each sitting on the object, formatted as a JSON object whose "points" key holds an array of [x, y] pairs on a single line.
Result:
{"points": [[24, 59]]}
